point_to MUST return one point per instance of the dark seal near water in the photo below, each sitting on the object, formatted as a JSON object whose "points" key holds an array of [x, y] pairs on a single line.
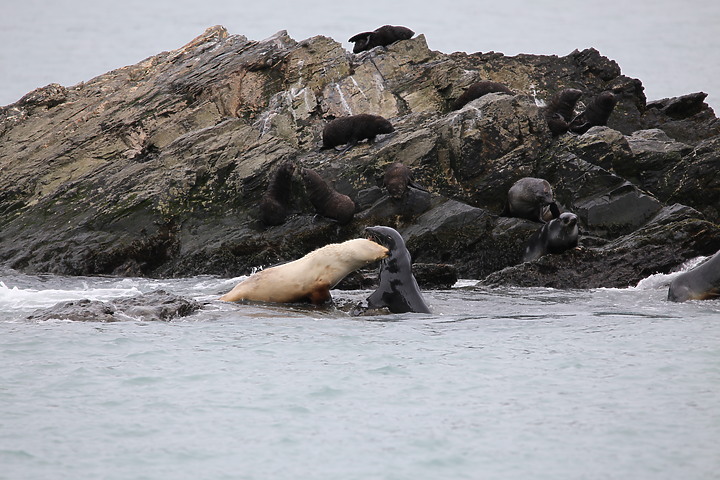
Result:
{"points": [[398, 290], [325, 199], [556, 236], [380, 37], [477, 90], [532, 199], [700, 283], [275, 202], [596, 114], [351, 129], [560, 110]]}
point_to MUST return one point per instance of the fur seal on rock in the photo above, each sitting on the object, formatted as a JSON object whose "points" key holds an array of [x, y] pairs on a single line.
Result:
{"points": [[700, 283], [309, 278], [351, 129], [325, 199], [559, 112], [596, 114], [530, 198], [380, 37], [556, 236], [398, 290], [275, 202], [397, 180], [477, 90]]}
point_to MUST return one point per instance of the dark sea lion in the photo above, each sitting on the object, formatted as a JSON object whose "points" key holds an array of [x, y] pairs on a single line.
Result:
{"points": [[596, 114], [398, 290], [477, 90], [556, 236], [309, 278], [351, 129], [380, 37], [325, 199], [700, 283], [275, 202], [530, 198], [560, 110]]}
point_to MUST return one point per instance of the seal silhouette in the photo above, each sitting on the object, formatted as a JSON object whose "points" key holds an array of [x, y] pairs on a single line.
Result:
{"points": [[380, 37], [530, 198], [309, 278], [597, 113], [477, 90], [398, 290], [353, 128], [327, 202], [700, 283], [556, 236], [560, 110], [275, 202]]}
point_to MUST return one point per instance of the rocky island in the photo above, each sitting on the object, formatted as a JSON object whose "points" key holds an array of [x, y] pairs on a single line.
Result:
{"points": [[158, 169]]}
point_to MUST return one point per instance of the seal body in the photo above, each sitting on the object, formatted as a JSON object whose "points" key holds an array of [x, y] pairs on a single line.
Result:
{"points": [[309, 278], [275, 203], [353, 128], [398, 290], [380, 37], [560, 110], [477, 90], [325, 199], [530, 198], [700, 283], [556, 236], [596, 114]]}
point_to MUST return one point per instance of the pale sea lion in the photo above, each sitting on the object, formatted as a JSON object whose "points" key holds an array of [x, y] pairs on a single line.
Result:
{"points": [[380, 37], [556, 236], [477, 90], [398, 290], [530, 198], [560, 110], [596, 114], [275, 202], [309, 278], [351, 129], [325, 199], [700, 283]]}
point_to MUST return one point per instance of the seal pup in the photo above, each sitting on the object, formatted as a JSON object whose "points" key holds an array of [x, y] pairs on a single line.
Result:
{"points": [[351, 129], [309, 278], [559, 111], [596, 114], [398, 290], [327, 202], [275, 202], [530, 198], [700, 283], [380, 37], [556, 236], [477, 90]]}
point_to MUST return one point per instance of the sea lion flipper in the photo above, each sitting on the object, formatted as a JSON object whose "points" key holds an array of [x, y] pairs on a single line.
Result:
{"points": [[554, 210], [320, 294], [359, 36]]}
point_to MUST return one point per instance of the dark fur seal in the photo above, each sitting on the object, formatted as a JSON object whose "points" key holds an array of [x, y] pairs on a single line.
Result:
{"points": [[530, 198], [556, 236], [596, 114], [398, 290], [398, 179], [477, 90], [560, 111], [354, 128], [327, 202], [380, 37], [275, 202], [700, 283]]}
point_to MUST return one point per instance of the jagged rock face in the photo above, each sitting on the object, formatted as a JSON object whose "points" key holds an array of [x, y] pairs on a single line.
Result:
{"points": [[158, 168]]}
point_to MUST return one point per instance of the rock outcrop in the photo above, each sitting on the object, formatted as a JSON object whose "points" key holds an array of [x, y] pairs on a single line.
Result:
{"points": [[157, 169]]}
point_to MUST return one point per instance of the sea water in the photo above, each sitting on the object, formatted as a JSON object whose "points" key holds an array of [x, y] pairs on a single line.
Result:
{"points": [[501, 383]]}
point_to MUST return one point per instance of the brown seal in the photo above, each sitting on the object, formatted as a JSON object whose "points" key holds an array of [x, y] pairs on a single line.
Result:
{"points": [[596, 114], [325, 199], [309, 278], [275, 202], [477, 90], [380, 37], [351, 129], [530, 198], [560, 110]]}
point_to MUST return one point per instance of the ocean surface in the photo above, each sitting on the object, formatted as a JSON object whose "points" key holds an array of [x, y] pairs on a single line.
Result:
{"points": [[508, 383]]}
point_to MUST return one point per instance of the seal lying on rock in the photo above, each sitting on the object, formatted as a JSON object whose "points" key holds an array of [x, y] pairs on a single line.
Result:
{"points": [[556, 236], [326, 200], [596, 114], [350, 130], [398, 290], [700, 283], [477, 90], [380, 37], [559, 111], [530, 198], [275, 203], [309, 278]]}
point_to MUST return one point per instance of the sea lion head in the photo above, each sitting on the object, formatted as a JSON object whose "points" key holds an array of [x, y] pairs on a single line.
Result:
{"points": [[383, 125]]}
